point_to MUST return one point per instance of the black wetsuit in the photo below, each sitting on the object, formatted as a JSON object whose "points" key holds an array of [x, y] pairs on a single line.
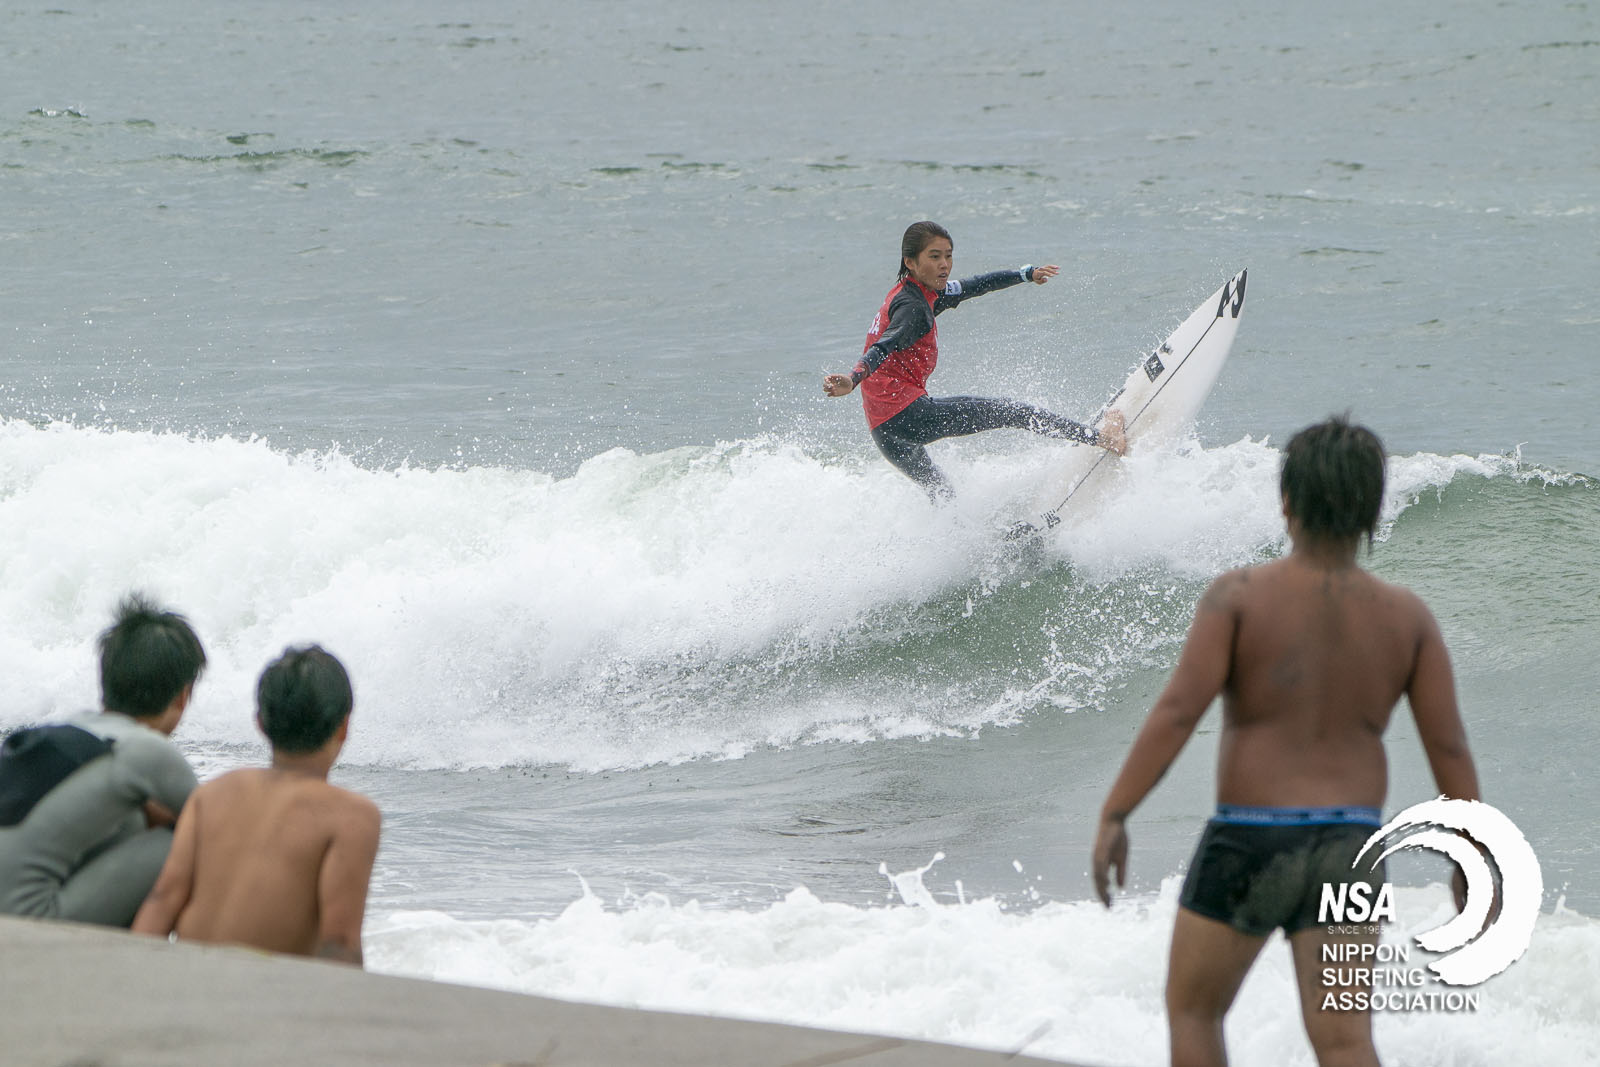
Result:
{"points": [[927, 419]]}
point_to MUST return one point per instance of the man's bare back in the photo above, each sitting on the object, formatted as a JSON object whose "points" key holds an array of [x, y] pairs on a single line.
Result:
{"points": [[1321, 653], [285, 865], [1310, 654]]}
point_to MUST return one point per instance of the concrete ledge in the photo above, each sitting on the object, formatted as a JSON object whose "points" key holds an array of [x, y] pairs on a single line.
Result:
{"points": [[83, 996]]}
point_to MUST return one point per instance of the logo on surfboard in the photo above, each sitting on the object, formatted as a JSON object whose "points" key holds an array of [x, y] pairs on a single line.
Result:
{"points": [[1232, 297], [1152, 366]]}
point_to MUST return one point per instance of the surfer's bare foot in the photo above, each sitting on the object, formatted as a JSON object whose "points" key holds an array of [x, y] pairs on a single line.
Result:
{"points": [[1113, 433]]}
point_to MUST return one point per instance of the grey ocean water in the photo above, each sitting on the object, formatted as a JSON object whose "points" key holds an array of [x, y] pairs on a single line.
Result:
{"points": [[367, 296]]}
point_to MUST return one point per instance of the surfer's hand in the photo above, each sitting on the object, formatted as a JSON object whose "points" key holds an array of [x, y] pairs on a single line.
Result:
{"points": [[1044, 273], [158, 814], [837, 384], [1113, 433], [1110, 850]]}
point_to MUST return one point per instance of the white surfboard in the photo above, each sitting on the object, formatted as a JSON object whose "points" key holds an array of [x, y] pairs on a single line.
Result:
{"points": [[1159, 400]]}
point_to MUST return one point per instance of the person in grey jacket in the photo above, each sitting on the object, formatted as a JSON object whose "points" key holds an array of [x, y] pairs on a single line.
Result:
{"points": [[87, 805]]}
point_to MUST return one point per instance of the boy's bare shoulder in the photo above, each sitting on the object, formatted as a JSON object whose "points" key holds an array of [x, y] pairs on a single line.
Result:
{"points": [[230, 782], [358, 810], [1395, 596], [1405, 603], [334, 811], [1230, 588]]}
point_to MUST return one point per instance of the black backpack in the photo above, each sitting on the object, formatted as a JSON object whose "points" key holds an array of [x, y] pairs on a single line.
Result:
{"points": [[35, 759]]}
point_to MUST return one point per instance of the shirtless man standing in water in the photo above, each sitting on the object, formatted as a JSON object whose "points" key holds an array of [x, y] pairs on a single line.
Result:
{"points": [[276, 858], [1310, 654]]}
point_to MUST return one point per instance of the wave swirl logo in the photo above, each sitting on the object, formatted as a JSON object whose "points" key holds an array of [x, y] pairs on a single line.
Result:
{"points": [[1472, 834]]}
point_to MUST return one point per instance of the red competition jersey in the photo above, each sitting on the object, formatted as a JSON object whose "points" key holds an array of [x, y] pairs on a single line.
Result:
{"points": [[902, 346], [902, 375]]}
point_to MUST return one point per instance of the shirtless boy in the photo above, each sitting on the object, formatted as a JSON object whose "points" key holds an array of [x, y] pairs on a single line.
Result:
{"points": [[1310, 654], [276, 858]]}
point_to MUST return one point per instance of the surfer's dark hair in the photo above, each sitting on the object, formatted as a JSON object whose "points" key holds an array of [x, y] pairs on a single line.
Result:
{"points": [[1332, 480], [148, 656], [917, 237], [301, 699]]}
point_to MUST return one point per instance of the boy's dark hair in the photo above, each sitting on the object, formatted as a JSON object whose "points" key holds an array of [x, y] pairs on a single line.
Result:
{"points": [[920, 235], [147, 657], [301, 699], [1333, 479]]}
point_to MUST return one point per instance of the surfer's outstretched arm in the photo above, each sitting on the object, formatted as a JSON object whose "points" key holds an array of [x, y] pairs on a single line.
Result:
{"points": [[967, 288]]}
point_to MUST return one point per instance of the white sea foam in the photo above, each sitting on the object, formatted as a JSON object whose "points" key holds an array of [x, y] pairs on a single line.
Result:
{"points": [[620, 616], [1066, 980]]}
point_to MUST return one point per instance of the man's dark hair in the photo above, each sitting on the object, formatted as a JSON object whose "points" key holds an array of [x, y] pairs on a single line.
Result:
{"points": [[1333, 479], [147, 657], [920, 235], [301, 699]]}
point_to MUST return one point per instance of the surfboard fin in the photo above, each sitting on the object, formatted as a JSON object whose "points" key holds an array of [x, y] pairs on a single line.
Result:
{"points": [[1020, 530]]}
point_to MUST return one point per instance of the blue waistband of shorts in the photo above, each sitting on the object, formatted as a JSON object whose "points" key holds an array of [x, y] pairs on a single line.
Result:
{"points": [[1251, 815]]}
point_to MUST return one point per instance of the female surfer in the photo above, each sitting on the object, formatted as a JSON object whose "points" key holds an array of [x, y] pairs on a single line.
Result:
{"points": [[903, 347]]}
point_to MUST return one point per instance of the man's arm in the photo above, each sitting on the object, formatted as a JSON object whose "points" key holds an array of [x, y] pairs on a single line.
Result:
{"points": [[1431, 691], [1432, 694], [159, 913], [156, 772], [342, 882], [1201, 672]]}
